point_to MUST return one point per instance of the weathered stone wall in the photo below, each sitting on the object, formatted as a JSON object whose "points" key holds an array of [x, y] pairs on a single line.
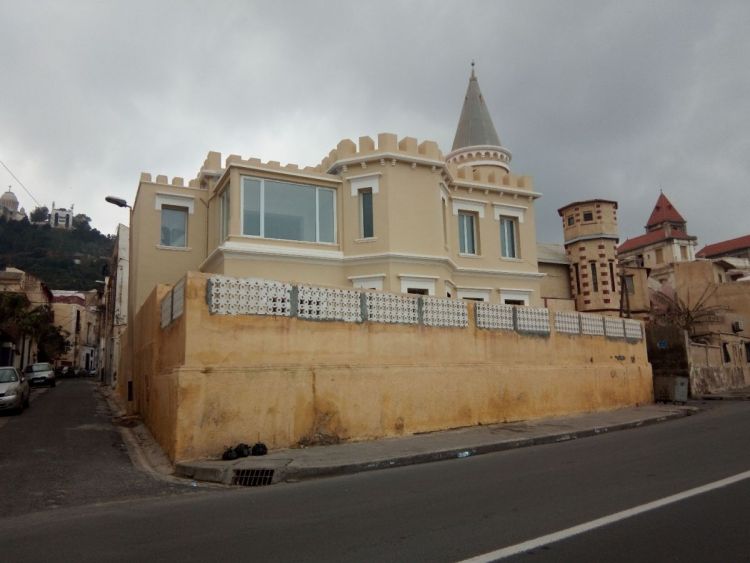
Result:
{"points": [[209, 380]]}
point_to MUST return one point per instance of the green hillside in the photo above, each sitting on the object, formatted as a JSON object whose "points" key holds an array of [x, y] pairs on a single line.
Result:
{"points": [[62, 259]]}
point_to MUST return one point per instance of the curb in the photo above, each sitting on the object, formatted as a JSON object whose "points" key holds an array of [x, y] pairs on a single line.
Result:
{"points": [[285, 471]]}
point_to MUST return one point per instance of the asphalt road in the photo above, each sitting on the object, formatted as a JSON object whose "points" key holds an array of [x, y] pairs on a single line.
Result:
{"points": [[446, 511], [64, 451]]}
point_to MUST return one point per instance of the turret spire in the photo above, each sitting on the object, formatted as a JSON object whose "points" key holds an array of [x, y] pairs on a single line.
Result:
{"points": [[476, 139], [475, 127]]}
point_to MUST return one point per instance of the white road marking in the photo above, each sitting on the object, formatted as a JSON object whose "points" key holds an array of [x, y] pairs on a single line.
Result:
{"points": [[604, 521]]}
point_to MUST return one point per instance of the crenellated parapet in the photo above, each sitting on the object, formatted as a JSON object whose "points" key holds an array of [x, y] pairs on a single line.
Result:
{"points": [[389, 148], [483, 177]]}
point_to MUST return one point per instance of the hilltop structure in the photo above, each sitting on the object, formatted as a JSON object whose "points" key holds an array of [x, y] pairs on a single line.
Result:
{"points": [[9, 207]]}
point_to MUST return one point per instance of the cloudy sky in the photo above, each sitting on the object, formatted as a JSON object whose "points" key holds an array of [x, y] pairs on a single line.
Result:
{"points": [[594, 99]]}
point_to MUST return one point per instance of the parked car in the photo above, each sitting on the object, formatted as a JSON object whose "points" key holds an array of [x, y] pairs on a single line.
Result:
{"points": [[40, 374], [14, 390]]}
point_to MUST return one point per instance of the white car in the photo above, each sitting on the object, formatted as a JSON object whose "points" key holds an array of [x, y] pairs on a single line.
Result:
{"points": [[40, 374], [14, 390]]}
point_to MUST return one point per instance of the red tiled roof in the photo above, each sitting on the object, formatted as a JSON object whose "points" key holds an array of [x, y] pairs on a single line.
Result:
{"points": [[724, 246], [664, 211], [651, 237]]}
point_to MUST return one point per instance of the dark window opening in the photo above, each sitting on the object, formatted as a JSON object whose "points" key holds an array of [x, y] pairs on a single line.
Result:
{"points": [[571, 220], [725, 350], [594, 278], [612, 279], [588, 215], [514, 302], [578, 279], [417, 291]]}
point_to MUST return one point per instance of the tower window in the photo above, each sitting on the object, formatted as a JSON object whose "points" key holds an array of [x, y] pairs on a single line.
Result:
{"points": [[508, 236], [588, 215], [594, 278], [467, 233], [366, 227], [571, 220]]}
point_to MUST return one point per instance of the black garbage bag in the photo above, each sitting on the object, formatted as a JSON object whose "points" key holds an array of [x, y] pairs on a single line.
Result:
{"points": [[229, 454], [242, 450], [260, 449]]}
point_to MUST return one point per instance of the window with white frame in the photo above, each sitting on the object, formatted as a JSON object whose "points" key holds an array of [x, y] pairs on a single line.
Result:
{"points": [[467, 232], [366, 225], [515, 296], [508, 237], [173, 226], [224, 215], [286, 211]]}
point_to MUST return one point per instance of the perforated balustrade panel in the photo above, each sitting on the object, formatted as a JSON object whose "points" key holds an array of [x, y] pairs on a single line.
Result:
{"points": [[633, 329], [613, 327], [248, 296], [444, 312], [166, 310], [391, 308], [532, 319], [328, 304], [567, 322], [592, 324], [178, 299], [494, 316]]}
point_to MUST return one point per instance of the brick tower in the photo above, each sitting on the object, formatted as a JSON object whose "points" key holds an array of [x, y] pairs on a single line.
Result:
{"points": [[591, 236]]}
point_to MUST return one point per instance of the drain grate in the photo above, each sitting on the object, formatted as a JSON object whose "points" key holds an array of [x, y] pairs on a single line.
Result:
{"points": [[252, 477]]}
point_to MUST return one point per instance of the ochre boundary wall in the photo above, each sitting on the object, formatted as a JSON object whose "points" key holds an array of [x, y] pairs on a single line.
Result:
{"points": [[206, 381]]}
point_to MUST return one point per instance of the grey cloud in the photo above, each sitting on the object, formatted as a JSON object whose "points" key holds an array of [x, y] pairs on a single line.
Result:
{"points": [[594, 99]]}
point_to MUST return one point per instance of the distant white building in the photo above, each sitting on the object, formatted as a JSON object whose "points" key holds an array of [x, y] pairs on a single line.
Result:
{"points": [[61, 218]]}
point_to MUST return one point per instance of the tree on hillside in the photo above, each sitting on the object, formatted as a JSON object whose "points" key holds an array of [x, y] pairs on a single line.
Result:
{"points": [[39, 214], [82, 222]]}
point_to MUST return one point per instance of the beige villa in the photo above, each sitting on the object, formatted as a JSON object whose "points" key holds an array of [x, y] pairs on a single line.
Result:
{"points": [[394, 215], [424, 267]]}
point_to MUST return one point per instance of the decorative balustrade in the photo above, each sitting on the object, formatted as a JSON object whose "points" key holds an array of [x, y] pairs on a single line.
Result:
{"points": [[232, 296]]}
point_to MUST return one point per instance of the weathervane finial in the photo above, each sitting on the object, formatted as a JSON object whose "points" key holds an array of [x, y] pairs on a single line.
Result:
{"points": [[472, 69]]}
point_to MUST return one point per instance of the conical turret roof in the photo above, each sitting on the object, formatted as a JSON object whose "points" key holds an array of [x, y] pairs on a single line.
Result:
{"points": [[475, 127], [664, 211]]}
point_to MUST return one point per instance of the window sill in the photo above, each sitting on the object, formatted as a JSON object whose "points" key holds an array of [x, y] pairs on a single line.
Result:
{"points": [[464, 255], [178, 248], [509, 259], [365, 240], [309, 242]]}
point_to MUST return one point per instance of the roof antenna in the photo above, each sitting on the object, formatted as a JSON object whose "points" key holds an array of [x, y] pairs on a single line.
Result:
{"points": [[472, 69]]}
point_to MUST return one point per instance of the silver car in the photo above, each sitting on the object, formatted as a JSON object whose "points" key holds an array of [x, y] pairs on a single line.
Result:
{"points": [[40, 374], [14, 390]]}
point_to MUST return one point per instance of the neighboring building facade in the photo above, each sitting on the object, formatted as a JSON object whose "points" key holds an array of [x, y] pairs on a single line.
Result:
{"points": [[665, 242], [9, 207], [396, 216], [78, 314], [734, 248], [591, 236], [15, 349], [115, 306]]}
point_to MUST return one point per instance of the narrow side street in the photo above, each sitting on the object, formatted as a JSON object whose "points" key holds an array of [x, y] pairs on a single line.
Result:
{"points": [[65, 451]]}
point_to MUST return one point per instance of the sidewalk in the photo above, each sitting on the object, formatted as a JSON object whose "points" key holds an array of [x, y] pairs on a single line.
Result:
{"points": [[291, 465], [742, 394]]}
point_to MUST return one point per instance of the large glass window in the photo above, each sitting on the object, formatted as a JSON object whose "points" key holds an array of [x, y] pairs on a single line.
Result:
{"points": [[280, 210], [508, 232], [174, 226], [466, 233]]}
